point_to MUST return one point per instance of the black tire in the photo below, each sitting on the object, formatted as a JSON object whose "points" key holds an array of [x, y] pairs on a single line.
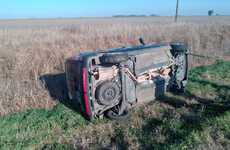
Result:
{"points": [[108, 93], [180, 75], [114, 58], [113, 115], [179, 47]]}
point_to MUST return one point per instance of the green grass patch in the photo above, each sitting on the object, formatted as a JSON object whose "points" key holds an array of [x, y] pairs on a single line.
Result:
{"points": [[197, 120], [35, 128]]}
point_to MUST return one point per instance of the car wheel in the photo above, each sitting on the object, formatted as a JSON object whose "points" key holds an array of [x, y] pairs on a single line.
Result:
{"points": [[179, 47], [114, 115], [180, 74], [114, 58], [108, 93]]}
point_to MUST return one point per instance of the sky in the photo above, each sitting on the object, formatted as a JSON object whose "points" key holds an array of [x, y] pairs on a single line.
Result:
{"points": [[15, 9]]}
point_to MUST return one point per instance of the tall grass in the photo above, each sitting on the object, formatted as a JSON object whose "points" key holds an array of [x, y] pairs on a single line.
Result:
{"points": [[33, 48]]}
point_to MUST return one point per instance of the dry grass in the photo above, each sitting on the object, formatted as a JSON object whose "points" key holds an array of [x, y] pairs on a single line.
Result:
{"points": [[31, 48]]}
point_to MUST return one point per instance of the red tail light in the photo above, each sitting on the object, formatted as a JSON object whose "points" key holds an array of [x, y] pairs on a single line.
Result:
{"points": [[85, 96]]}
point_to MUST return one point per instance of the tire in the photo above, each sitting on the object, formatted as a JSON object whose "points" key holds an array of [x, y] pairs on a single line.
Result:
{"points": [[111, 114], [179, 47], [108, 93], [114, 58], [180, 75]]}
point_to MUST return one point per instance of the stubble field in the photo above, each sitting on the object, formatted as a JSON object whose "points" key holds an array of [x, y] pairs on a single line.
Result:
{"points": [[33, 49]]}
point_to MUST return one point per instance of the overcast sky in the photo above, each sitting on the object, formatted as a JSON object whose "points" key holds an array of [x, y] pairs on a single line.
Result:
{"points": [[103, 8]]}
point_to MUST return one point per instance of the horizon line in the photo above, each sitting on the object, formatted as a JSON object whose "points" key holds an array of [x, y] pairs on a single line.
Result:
{"points": [[113, 16]]}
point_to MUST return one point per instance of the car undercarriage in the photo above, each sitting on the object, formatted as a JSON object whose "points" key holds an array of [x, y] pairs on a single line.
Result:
{"points": [[111, 82]]}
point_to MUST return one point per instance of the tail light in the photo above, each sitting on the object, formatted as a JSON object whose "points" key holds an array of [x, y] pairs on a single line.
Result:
{"points": [[85, 92]]}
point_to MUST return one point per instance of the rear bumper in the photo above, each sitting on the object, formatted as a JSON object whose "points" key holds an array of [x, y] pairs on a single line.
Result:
{"points": [[77, 78]]}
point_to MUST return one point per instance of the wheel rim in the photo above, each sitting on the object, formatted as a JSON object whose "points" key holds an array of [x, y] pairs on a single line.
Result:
{"points": [[109, 94]]}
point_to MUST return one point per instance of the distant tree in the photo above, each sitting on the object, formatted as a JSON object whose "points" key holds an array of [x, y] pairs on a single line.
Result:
{"points": [[210, 12], [153, 15]]}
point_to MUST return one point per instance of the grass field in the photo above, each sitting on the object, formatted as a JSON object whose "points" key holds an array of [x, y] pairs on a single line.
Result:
{"points": [[30, 49], [200, 119], [32, 117]]}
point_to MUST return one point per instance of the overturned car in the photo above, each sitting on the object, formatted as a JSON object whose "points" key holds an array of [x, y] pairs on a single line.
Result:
{"points": [[111, 82]]}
